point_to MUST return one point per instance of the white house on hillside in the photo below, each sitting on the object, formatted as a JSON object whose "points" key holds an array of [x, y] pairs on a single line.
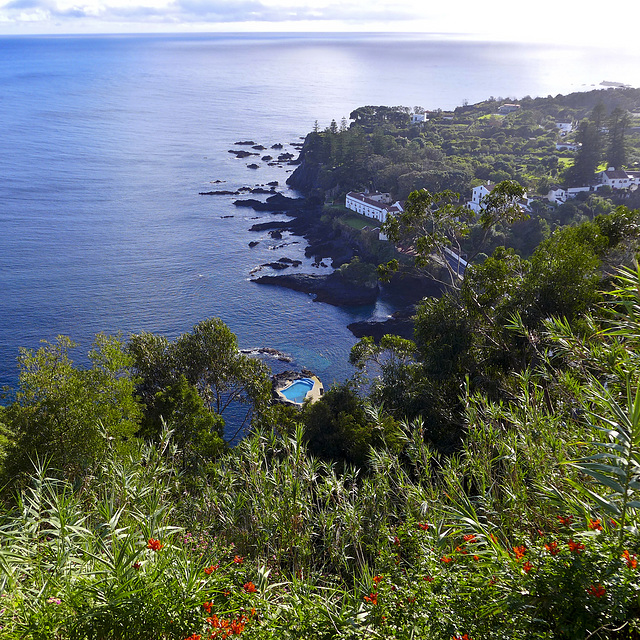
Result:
{"points": [[617, 178], [508, 108], [478, 193], [565, 127], [373, 205], [418, 118]]}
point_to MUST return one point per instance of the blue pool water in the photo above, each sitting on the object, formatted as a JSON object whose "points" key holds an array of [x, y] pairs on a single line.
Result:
{"points": [[297, 391]]}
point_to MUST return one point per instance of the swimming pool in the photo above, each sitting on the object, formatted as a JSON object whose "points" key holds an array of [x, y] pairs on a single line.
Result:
{"points": [[297, 391]]}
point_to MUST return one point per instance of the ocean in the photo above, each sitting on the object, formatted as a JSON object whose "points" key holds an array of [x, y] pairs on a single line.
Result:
{"points": [[106, 142]]}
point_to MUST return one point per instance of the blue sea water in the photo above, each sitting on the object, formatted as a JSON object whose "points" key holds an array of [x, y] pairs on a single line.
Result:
{"points": [[106, 141]]}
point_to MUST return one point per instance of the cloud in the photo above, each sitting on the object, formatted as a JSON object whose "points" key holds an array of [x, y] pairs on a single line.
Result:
{"points": [[207, 11]]}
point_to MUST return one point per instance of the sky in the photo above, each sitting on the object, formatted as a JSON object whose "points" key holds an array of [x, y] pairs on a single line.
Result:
{"points": [[563, 21]]}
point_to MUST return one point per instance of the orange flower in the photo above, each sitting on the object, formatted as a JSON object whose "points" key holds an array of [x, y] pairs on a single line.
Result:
{"points": [[154, 545], [527, 566], [214, 621], [565, 520], [462, 551], [476, 558], [194, 636], [597, 590], [237, 627], [423, 525], [519, 551], [211, 569], [207, 606], [575, 547], [631, 560], [377, 579], [469, 537], [238, 559], [372, 598], [594, 525], [552, 548], [249, 587], [446, 559]]}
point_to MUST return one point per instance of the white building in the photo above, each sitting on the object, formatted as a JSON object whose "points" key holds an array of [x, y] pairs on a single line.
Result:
{"points": [[478, 193], [567, 146], [557, 194], [565, 127], [616, 178], [508, 108], [373, 205], [418, 118]]}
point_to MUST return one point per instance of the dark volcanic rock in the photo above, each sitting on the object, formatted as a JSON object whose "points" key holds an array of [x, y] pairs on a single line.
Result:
{"points": [[219, 193], [277, 145], [247, 142], [327, 288], [402, 327], [273, 183], [242, 154], [254, 243], [285, 157], [276, 234], [267, 158], [258, 147], [253, 166], [276, 202], [275, 224]]}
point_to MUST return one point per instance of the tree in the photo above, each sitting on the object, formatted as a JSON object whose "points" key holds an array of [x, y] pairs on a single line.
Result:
{"points": [[433, 225], [64, 413], [209, 359], [588, 155], [618, 124]]}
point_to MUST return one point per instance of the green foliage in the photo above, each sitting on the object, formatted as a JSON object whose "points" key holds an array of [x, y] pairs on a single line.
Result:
{"points": [[209, 360], [66, 414]]}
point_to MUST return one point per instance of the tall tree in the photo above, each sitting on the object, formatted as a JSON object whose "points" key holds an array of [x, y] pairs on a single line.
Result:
{"points": [[588, 156], [618, 124]]}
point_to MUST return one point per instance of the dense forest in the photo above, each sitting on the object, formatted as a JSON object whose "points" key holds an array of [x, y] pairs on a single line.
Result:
{"points": [[481, 480]]}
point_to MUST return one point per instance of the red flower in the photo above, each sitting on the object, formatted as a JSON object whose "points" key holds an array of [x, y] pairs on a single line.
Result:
{"points": [[194, 636], [565, 520], [597, 590], [462, 551], [457, 636], [575, 547], [411, 600], [519, 551], [238, 559], [237, 627], [154, 545], [396, 540], [423, 525], [428, 578], [211, 569], [249, 587], [136, 565], [476, 558], [469, 537], [631, 560], [372, 598], [552, 548], [207, 606], [527, 566], [377, 579], [446, 559], [594, 525]]}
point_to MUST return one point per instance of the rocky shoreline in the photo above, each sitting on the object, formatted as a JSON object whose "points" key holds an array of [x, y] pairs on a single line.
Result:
{"points": [[324, 243]]}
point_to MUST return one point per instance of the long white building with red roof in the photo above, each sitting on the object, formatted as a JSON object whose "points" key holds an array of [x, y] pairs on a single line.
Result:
{"points": [[373, 204]]}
